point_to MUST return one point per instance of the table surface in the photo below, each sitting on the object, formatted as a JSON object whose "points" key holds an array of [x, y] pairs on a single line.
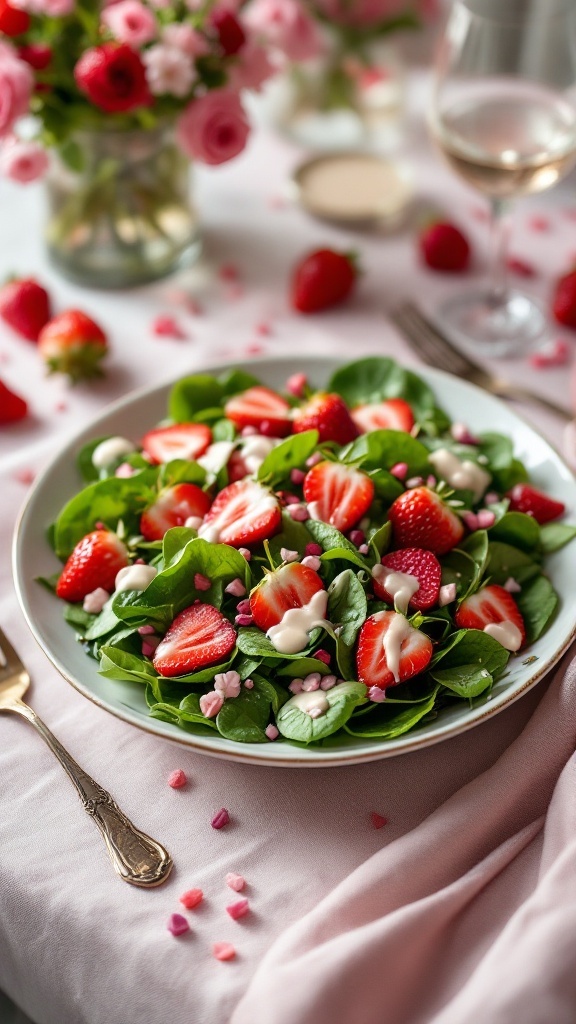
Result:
{"points": [[76, 945]]}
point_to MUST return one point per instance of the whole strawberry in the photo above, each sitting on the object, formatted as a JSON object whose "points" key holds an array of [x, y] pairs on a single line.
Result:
{"points": [[443, 247], [322, 279], [12, 406], [74, 344], [329, 415], [564, 300], [25, 306]]}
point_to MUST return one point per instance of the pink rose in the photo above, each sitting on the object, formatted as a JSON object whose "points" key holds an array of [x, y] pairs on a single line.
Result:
{"points": [[365, 13], [184, 37], [168, 71], [130, 22], [48, 8], [23, 161], [285, 25], [252, 69], [16, 83], [213, 128]]}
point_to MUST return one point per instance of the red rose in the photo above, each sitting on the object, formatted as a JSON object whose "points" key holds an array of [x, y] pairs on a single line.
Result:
{"points": [[231, 35], [37, 55], [13, 22], [113, 78]]}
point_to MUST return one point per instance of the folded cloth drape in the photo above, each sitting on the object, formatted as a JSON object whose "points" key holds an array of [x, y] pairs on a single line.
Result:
{"points": [[471, 917]]}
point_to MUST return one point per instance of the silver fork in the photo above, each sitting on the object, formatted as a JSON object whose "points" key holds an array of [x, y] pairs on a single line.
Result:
{"points": [[437, 350], [136, 857]]}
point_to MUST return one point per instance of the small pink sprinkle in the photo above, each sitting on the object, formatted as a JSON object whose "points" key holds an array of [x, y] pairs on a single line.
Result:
{"points": [[297, 476], [446, 594], [191, 898], [491, 498], [236, 588], [95, 600], [263, 328], [249, 684], [539, 223], [220, 819], [363, 549], [323, 655], [243, 607], [299, 513], [461, 434], [486, 519], [399, 470], [124, 470], [296, 686], [149, 646], [246, 553], [255, 349], [312, 562], [61, 407], [376, 694], [311, 682], [328, 682], [271, 732], [165, 326], [201, 582], [512, 586], [290, 499], [227, 684], [236, 882], [296, 384], [177, 924], [555, 354], [313, 549], [248, 431], [314, 459], [223, 950], [211, 703], [244, 620], [287, 555], [431, 480], [24, 476], [414, 481], [238, 909], [471, 520], [357, 537], [139, 561], [229, 272], [521, 267], [99, 525], [377, 820], [177, 779]]}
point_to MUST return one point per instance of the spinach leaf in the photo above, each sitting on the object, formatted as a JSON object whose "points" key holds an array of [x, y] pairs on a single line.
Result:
{"points": [[382, 449], [296, 724], [289, 454], [347, 605], [88, 470], [469, 663], [554, 536], [235, 381], [379, 540], [108, 501], [294, 536], [388, 722], [461, 569], [118, 664], [191, 395], [253, 642], [334, 543], [245, 717], [375, 379], [505, 561], [386, 487], [303, 667], [223, 430], [538, 602], [515, 528]]}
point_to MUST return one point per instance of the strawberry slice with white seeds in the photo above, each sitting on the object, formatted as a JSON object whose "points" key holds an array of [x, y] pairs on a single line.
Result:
{"points": [[179, 441], [290, 586], [422, 566], [420, 518], [535, 503], [243, 513], [173, 507], [94, 562], [495, 611], [393, 414], [261, 408], [390, 650], [341, 494], [198, 636]]}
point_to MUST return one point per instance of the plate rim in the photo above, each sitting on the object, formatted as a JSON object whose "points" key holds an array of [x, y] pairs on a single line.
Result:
{"points": [[206, 746]]}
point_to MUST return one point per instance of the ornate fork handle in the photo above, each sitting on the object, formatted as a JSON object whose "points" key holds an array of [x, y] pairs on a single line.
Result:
{"points": [[136, 857]]}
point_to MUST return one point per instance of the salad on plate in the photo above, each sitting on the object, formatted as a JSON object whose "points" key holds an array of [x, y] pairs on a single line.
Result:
{"points": [[295, 566]]}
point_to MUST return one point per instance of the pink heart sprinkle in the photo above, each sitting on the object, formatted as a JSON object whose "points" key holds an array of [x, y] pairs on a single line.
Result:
{"points": [[177, 779], [238, 909], [191, 898], [378, 821], [220, 819], [223, 950], [236, 882], [177, 924]]}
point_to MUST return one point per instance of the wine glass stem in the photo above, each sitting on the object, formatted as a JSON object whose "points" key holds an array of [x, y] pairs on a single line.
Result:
{"points": [[500, 233]]}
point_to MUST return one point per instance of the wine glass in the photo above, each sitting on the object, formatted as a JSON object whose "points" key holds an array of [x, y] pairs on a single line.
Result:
{"points": [[503, 113]]}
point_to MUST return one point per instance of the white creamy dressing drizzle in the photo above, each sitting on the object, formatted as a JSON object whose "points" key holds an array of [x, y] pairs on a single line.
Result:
{"points": [[291, 633], [216, 456], [400, 585], [461, 474], [311, 701], [134, 577], [506, 633], [255, 449], [110, 450], [210, 533], [398, 631]]}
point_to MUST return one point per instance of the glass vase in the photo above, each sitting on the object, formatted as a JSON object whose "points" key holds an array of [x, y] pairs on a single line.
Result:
{"points": [[124, 214]]}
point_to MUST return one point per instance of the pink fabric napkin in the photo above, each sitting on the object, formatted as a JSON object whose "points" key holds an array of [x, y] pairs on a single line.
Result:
{"points": [[470, 917]]}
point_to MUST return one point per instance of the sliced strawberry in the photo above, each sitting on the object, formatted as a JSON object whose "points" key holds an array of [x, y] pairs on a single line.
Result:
{"points": [[393, 414], [491, 606], [180, 441], [173, 507], [243, 513], [543, 508], [291, 586], [390, 650], [420, 518], [421, 564], [341, 494], [94, 562], [261, 408], [199, 636], [329, 415]]}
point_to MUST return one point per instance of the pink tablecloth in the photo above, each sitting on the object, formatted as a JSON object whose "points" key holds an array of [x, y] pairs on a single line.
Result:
{"points": [[79, 947]]}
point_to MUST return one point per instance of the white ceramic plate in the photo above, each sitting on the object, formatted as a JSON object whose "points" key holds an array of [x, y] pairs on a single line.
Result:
{"points": [[131, 417]]}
